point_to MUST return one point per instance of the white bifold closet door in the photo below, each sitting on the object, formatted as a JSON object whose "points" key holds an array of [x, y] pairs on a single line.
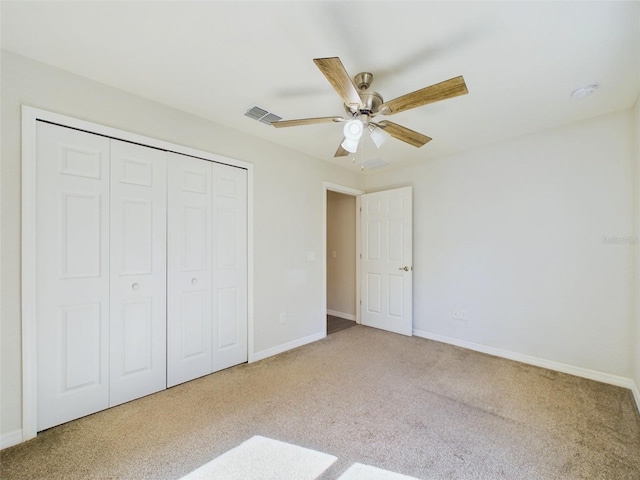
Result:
{"points": [[72, 251], [229, 266], [207, 268], [138, 271], [141, 271], [189, 320]]}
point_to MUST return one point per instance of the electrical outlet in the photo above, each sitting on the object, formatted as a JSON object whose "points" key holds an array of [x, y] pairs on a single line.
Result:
{"points": [[283, 317], [459, 314]]}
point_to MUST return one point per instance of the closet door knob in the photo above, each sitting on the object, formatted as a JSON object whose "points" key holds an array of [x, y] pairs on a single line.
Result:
{"points": [[194, 280], [135, 286]]}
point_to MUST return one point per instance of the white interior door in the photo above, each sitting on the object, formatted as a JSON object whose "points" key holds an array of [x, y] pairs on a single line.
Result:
{"points": [[229, 266], [189, 256], [387, 258], [72, 289], [138, 271]]}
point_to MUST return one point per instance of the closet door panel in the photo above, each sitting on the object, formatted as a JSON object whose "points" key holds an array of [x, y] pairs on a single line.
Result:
{"points": [[230, 266], [189, 269], [138, 271], [72, 289]]}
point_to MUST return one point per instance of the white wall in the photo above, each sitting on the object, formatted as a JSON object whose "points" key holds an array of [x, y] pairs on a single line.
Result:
{"points": [[288, 205], [513, 233], [341, 239]]}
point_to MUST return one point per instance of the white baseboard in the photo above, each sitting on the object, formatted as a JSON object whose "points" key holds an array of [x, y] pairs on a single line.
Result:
{"points": [[538, 362], [346, 316], [10, 439], [287, 346]]}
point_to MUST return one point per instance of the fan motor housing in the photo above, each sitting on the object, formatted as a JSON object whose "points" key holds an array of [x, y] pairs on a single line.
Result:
{"points": [[371, 102]]}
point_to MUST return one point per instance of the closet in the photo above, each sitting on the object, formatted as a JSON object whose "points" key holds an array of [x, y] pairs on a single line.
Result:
{"points": [[141, 263]]}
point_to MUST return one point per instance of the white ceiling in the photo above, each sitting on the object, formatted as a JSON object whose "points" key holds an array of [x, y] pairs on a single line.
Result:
{"points": [[520, 60]]}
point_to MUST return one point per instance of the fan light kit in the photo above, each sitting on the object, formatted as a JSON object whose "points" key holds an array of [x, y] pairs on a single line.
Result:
{"points": [[363, 105]]}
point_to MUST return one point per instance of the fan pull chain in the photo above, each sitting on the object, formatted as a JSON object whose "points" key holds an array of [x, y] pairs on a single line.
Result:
{"points": [[362, 155]]}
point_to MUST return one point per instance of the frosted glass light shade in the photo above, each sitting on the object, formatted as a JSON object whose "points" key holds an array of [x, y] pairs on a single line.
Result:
{"points": [[353, 129], [352, 132], [350, 145], [378, 135]]}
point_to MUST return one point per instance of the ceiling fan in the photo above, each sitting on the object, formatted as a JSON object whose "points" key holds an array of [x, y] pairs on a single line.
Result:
{"points": [[363, 105]]}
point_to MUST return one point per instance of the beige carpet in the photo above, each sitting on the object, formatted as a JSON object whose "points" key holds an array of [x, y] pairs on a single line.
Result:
{"points": [[406, 405]]}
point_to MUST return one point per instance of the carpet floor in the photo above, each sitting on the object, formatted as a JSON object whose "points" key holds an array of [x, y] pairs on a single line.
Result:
{"points": [[335, 324], [402, 404]]}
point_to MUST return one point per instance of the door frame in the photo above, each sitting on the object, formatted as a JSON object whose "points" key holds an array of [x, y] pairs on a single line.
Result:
{"points": [[334, 187], [30, 117]]}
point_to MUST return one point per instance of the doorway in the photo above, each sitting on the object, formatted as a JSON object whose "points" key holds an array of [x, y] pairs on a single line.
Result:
{"points": [[384, 257], [341, 238]]}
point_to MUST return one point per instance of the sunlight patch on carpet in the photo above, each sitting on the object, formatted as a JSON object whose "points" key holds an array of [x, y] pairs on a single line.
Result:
{"points": [[261, 458], [358, 471]]}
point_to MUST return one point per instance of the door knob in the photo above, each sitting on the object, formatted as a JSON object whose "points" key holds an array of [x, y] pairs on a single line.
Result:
{"points": [[406, 268], [135, 286], [194, 281]]}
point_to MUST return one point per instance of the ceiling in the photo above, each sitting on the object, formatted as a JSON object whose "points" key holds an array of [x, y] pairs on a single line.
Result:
{"points": [[520, 61]]}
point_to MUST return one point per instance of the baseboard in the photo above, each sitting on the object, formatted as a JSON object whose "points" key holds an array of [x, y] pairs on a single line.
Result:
{"points": [[346, 316], [287, 346], [538, 362], [10, 439]]}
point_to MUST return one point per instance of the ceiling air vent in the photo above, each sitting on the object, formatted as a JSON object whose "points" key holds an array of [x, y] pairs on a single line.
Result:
{"points": [[375, 163], [262, 115]]}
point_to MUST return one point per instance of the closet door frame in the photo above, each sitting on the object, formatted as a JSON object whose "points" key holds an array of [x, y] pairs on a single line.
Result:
{"points": [[30, 117]]}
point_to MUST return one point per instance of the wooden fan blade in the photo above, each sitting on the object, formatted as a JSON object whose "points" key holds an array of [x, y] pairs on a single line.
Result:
{"points": [[440, 91], [403, 133], [306, 121], [341, 152], [333, 69]]}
